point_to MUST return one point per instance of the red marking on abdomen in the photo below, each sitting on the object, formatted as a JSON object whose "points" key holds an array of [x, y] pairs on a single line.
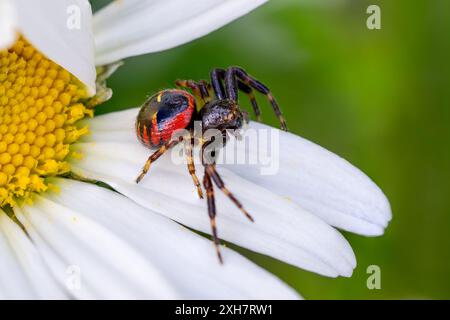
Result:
{"points": [[155, 134]]}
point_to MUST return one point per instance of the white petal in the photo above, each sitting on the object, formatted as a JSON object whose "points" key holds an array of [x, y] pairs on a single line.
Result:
{"points": [[314, 178], [322, 183], [128, 28], [8, 24], [282, 229], [62, 30], [108, 266], [184, 258], [23, 273], [61, 270], [13, 282]]}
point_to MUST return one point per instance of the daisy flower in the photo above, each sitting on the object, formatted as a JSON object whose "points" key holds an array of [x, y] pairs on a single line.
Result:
{"points": [[74, 224]]}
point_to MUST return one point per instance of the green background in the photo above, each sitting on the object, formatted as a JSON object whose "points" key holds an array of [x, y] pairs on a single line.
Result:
{"points": [[379, 98]]}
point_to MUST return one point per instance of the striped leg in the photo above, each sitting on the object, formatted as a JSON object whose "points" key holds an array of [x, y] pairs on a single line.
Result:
{"points": [[158, 153], [189, 145], [218, 75], [249, 92], [207, 183], [212, 175], [212, 172], [234, 73], [200, 89]]}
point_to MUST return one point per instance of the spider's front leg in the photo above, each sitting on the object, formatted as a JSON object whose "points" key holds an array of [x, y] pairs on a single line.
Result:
{"points": [[212, 172], [207, 183], [211, 175]]}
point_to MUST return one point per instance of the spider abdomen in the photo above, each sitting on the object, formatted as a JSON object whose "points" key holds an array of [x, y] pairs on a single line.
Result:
{"points": [[162, 114]]}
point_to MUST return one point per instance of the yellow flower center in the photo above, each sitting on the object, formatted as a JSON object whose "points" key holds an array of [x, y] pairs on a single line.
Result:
{"points": [[40, 105]]}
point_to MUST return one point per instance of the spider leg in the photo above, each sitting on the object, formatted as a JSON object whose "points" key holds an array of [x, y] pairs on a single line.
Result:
{"points": [[249, 92], [207, 183], [190, 84], [212, 175], [200, 89], [231, 84], [212, 172], [158, 153], [235, 73], [189, 145], [218, 75], [205, 89]]}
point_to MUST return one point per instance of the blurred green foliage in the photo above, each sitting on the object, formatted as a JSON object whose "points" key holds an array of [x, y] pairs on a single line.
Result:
{"points": [[379, 98]]}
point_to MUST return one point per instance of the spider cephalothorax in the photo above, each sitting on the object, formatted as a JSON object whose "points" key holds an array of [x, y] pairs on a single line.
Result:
{"points": [[171, 110], [221, 115]]}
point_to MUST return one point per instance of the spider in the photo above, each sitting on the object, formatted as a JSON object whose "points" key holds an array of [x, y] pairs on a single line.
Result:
{"points": [[170, 110]]}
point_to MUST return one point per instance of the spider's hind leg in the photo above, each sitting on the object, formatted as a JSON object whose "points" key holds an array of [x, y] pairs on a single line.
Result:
{"points": [[200, 89], [189, 145], [155, 156]]}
